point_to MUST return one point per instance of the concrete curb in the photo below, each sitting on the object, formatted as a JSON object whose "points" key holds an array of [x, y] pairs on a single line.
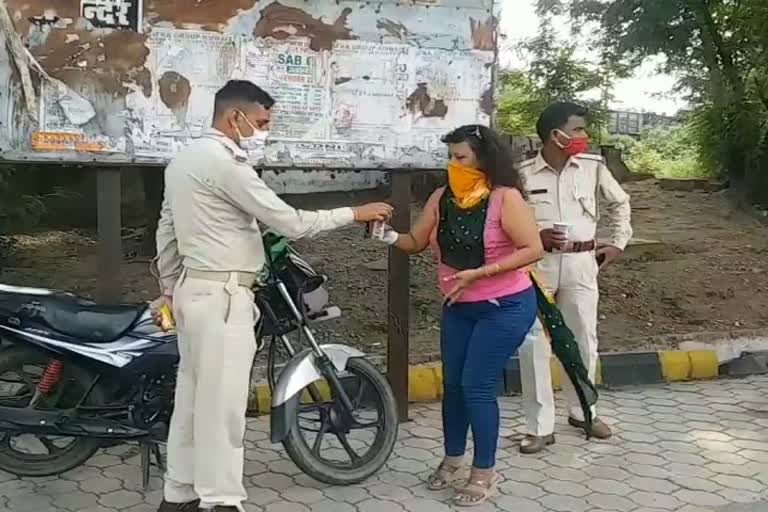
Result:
{"points": [[614, 369], [637, 368]]}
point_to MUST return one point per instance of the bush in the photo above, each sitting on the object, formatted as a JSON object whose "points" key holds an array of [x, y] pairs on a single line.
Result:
{"points": [[733, 136], [625, 143], [664, 152]]}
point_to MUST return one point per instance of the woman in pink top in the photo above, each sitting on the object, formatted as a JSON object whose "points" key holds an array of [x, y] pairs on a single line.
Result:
{"points": [[484, 236]]}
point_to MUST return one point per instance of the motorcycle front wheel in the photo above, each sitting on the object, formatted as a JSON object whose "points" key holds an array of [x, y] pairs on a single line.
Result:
{"points": [[339, 447]]}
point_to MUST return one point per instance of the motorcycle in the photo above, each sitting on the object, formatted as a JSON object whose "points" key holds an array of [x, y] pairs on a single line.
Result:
{"points": [[76, 377]]}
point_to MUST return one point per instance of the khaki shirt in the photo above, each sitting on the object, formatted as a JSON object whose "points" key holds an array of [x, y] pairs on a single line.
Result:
{"points": [[574, 196], [212, 205]]}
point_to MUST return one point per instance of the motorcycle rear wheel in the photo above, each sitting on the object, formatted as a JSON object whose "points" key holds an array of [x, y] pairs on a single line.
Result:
{"points": [[335, 472], [58, 460]]}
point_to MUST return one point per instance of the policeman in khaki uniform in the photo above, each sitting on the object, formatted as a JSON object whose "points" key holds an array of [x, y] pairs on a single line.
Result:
{"points": [[566, 186], [209, 252]]}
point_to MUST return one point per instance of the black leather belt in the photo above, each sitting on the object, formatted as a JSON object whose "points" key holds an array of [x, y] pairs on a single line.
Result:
{"points": [[579, 247]]}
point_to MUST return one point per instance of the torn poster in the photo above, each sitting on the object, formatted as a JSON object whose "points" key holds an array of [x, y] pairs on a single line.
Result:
{"points": [[370, 84], [64, 116], [295, 75], [77, 109], [189, 66]]}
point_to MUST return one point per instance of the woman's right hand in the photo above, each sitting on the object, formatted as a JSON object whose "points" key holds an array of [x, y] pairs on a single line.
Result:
{"points": [[462, 280], [373, 212]]}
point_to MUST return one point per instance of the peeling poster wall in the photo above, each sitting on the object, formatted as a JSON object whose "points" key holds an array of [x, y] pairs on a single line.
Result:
{"points": [[358, 84]]}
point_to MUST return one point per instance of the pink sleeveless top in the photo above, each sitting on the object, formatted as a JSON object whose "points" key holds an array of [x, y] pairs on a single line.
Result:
{"points": [[497, 247]]}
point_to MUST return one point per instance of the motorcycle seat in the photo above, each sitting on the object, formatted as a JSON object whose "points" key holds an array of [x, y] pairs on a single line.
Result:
{"points": [[92, 323], [72, 316]]}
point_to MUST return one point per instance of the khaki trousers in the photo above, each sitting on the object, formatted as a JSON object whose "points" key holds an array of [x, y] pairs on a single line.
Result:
{"points": [[572, 278], [217, 344]]}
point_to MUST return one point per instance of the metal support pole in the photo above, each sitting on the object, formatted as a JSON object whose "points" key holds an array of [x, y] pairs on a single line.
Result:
{"points": [[398, 295], [108, 194], [152, 179]]}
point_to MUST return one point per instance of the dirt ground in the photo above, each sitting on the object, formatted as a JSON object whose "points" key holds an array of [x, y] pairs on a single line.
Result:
{"points": [[706, 272]]}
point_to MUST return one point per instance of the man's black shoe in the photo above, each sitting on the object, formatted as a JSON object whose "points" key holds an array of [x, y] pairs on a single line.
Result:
{"points": [[222, 508], [166, 506]]}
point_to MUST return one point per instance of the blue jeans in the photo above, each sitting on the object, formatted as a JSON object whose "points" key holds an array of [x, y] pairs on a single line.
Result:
{"points": [[477, 339]]}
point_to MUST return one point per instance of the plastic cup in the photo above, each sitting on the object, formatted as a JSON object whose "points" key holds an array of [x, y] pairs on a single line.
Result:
{"points": [[563, 228]]}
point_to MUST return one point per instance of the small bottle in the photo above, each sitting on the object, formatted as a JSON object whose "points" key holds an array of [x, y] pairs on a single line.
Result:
{"points": [[166, 318], [375, 230]]}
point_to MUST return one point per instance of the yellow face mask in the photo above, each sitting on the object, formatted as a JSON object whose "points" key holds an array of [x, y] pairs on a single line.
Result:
{"points": [[469, 185]]}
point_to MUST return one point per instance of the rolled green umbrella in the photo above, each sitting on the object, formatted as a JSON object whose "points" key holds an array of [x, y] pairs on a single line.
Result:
{"points": [[566, 350]]}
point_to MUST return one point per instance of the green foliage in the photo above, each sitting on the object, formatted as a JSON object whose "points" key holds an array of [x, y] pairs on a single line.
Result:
{"points": [[520, 103], [554, 67], [554, 73], [719, 51], [664, 152], [625, 143]]}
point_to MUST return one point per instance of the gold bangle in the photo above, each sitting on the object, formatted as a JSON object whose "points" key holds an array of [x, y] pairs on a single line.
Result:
{"points": [[487, 272]]}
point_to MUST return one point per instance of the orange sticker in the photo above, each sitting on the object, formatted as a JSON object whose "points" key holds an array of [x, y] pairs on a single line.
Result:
{"points": [[63, 141]]}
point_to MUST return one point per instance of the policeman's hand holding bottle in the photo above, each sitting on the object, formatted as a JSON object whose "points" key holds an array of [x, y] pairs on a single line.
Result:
{"points": [[373, 212]]}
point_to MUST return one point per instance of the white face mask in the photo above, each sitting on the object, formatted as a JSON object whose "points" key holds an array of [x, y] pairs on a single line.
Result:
{"points": [[254, 144]]}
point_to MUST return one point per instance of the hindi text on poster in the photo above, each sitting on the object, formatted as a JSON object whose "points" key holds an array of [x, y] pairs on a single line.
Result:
{"points": [[116, 14]]}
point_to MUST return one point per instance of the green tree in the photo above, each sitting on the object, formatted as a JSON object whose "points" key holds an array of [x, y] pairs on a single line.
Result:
{"points": [[555, 68], [520, 102], [719, 51], [553, 73]]}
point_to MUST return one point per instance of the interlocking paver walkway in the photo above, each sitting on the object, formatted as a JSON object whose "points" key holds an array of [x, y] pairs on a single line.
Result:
{"points": [[700, 447]]}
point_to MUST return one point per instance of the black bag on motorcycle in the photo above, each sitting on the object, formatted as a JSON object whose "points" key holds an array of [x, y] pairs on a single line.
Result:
{"points": [[305, 285]]}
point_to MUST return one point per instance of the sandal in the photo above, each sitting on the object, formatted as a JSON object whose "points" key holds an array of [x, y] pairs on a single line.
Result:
{"points": [[477, 490], [444, 476]]}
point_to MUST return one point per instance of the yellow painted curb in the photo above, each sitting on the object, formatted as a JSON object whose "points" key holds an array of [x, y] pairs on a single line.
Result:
{"points": [[599, 373], [704, 364], [261, 398], [694, 365], [675, 366], [556, 372], [425, 382]]}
